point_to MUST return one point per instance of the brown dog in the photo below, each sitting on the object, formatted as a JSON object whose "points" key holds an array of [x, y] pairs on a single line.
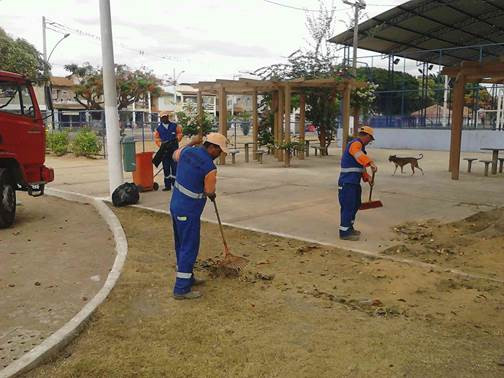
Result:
{"points": [[402, 161]]}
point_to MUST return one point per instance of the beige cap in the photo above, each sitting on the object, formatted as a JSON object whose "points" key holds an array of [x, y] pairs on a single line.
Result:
{"points": [[218, 139], [164, 114]]}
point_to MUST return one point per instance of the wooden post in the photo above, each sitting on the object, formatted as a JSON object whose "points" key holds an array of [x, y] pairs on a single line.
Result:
{"points": [[274, 108], [281, 105], [222, 118], [346, 115], [456, 130], [200, 113], [255, 126], [302, 120], [288, 93]]}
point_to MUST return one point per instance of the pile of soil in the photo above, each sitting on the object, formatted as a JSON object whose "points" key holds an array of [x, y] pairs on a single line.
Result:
{"points": [[474, 244], [296, 310]]}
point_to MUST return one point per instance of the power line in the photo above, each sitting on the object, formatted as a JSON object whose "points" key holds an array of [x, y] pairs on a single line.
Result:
{"points": [[297, 8], [61, 28]]}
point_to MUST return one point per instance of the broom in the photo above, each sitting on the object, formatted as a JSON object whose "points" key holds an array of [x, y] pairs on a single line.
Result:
{"points": [[230, 261], [371, 204]]}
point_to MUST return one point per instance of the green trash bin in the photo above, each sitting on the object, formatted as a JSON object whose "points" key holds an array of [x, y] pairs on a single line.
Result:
{"points": [[129, 153]]}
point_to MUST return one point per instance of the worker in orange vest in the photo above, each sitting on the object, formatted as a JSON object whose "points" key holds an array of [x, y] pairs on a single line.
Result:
{"points": [[168, 132], [353, 169]]}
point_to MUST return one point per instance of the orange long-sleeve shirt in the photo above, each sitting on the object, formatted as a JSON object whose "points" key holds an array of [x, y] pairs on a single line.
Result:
{"points": [[359, 155]]}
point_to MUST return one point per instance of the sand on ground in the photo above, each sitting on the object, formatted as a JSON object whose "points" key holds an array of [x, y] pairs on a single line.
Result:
{"points": [[54, 259], [297, 310]]}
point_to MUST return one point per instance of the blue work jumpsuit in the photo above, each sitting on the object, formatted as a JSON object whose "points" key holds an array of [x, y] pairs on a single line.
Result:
{"points": [[187, 204], [349, 189], [168, 133]]}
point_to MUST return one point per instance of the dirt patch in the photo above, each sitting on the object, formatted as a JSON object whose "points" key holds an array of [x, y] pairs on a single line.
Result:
{"points": [[297, 310], [474, 244]]}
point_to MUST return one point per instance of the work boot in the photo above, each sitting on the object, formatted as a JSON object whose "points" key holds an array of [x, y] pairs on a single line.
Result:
{"points": [[356, 232], [197, 281], [167, 189], [350, 237], [188, 295]]}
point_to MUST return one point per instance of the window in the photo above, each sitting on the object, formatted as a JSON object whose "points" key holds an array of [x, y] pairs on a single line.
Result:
{"points": [[28, 109], [10, 101]]}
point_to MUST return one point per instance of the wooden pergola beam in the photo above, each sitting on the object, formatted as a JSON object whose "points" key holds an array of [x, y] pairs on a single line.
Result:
{"points": [[222, 118], [255, 126], [346, 116], [287, 130], [302, 120], [456, 130]]}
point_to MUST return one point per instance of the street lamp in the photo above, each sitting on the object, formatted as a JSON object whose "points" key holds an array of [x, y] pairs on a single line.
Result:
{"points": [[56, 45]]}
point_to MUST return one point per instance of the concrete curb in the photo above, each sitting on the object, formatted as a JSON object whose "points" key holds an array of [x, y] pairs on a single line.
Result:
{"points": [[58, 340], [367, 254]]}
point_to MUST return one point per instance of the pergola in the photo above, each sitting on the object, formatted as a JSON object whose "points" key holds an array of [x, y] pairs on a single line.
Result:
{"points": [[282, 92], [467, 72]]}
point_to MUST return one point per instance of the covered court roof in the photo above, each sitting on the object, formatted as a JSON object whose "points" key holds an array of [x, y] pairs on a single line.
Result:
{"points": [[434, 30]]}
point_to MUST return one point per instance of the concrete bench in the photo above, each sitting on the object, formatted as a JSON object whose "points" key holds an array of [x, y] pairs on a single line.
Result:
{"points": [[233, 155], [259, 154], [501, 164], [487, 164], [469, 163]]}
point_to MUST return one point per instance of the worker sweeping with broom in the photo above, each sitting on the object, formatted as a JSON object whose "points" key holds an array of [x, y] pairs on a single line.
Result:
{"points": [[353, 168], [196, 181]]}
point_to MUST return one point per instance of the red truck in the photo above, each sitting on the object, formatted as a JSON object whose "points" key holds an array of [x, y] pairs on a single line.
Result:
{"points": [[22, 144]]}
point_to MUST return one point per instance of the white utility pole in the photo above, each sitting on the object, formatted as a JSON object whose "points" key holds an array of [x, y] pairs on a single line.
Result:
{"points": [[358, 6], [44, 43], [444, 122], [115, 167], [149, 106]]}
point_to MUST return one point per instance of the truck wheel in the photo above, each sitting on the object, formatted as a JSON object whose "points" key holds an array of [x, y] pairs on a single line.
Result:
{"points": [[7, 199]]}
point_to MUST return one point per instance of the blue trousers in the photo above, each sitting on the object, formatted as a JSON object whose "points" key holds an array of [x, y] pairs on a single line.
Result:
{"points": [[170, 170], [186, 231], [350, 201]]}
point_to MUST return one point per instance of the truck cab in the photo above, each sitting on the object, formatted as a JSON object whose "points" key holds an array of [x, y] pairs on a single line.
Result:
{"points": [[22, 144]]}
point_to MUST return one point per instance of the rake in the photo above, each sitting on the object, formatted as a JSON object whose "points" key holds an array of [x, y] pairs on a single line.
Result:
{"points": [[229, 261], [371, 204]]}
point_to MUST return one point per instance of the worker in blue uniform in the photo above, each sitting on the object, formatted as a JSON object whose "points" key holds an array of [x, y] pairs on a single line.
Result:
{"points": [[353, 168], [168, 132], [196, 181]]}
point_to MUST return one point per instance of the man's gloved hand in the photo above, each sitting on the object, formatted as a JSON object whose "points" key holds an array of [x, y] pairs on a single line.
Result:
{"points": [[211, 196]]}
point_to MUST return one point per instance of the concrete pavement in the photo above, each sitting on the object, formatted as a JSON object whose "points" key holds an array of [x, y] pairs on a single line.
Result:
{"points": [[302, 201]]}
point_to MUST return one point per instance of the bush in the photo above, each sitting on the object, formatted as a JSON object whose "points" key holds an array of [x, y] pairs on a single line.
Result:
{"points": [[86, 143], [58, 142]]}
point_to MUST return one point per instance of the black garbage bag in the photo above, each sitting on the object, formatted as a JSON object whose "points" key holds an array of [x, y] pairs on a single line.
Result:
{"points": [[125, 194], [166, 148]]}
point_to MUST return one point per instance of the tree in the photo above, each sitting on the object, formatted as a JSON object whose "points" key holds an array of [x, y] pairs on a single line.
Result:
{"points": [[20, 56], [318, 61], [189, 121], [396, 93], [132, 85]]}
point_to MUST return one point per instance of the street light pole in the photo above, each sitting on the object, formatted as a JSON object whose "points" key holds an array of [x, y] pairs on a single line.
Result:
{"points": [[115, 168], [44, 37]]}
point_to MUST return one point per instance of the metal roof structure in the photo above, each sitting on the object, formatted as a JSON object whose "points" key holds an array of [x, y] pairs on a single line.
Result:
{"points": [[443, 32]]}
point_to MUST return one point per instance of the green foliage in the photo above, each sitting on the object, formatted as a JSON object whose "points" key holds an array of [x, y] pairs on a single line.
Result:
{"points": [[58, 142], [245, 126], [400, 91], [19, 56], [189, 121], [86, 143], [317, 62], [132, 85]]}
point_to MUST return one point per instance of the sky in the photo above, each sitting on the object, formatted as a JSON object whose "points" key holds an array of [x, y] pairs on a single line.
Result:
{"points": [[199, 40]]}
